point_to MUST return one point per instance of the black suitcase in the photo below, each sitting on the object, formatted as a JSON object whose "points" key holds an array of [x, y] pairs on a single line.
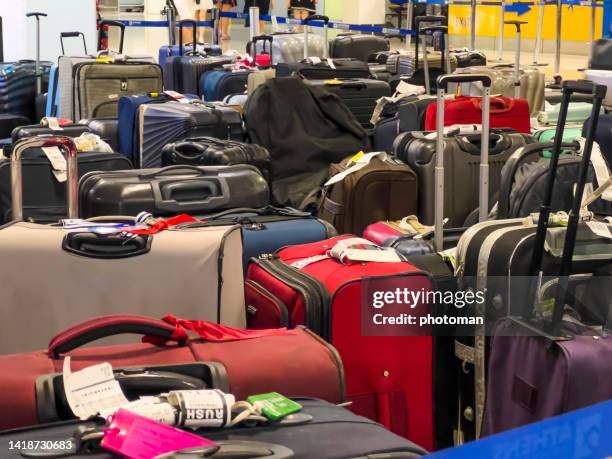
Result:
{"points": [[357, 46], [31, 130], [603, 135], [182, 73], [467, 58], [342, 68], [172, 190], [601, 58], [106, 128], [359, 95], [331, 432], [9, 122], [208, 151], [44, 197]]}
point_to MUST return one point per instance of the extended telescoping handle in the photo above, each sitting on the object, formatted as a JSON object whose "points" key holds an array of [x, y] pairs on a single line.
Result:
{"points": [[67, 146], [265, 39], [308, 20], [417, 27], [430, 30], [442, 83], [72, 35], [38, 74], [181, 25], [110, 23], [103, 327], [517, 56]]}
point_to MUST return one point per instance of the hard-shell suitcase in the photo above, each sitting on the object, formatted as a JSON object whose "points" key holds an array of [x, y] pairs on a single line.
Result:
{"points": [[316, 69], [601, 55], [505, 113], [216, 355], [468, 58], [173, 50], [45, 199], [9, 122], [106, 128], [208, 151], [217, 84], [359, 95], [18, 87], [159, 124], [357, 46], [334, 299], [266, 230], [603, 135], [32, 130], [379, 188], [332, 433], [145, 272], [172, 190], [578, 112], [289, 47]]}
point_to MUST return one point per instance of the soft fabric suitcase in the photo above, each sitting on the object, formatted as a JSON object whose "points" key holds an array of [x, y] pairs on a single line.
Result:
{"points": [[208, 151], [165, 270], [357, 46], [316, 69], [467, 58], [106, 128], [266, 230], [333, 432], [383, 188], [359, 95], [505, 113], [388, 379], [45, 199], [172, 190], [603, 135], [159, 124], [217, 84], [225, 353]]}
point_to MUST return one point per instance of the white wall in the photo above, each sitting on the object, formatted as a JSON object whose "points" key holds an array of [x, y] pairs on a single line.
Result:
{"points": [[19, 34]]}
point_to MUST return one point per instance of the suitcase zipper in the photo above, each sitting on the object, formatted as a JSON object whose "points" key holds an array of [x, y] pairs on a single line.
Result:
{"points": [[316, 297], [282, 307]]}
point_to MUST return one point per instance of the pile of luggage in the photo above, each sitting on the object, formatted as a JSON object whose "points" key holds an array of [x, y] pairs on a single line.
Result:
{"points": [[246, 216]]}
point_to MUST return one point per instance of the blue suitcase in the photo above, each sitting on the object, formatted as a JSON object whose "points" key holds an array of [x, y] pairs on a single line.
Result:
{"points": [[174, 50], [216, 85], [267, 230]]}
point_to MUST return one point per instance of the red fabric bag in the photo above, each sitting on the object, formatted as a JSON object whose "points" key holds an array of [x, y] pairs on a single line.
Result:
{"points": [[388, 378], [505, 113], [284, 361]]}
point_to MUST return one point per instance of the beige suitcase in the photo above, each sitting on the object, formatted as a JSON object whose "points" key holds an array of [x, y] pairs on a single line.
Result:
{"points": [[52, 278]]}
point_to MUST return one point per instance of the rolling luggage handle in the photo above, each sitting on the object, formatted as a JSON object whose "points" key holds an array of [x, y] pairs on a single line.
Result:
{"points": [[63, 143], [111, 23], [445, 51], [104, 327], [517, 57], [265, 39], [325, 20], [417, 27], [194, 25], [38, 74], [72, 35], [599, 93], [443, 82]]}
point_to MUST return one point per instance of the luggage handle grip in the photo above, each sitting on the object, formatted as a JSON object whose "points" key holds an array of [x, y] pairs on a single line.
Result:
{"points": [[112, 23], [585, 87], [103, 327], [179, 167], [316, 17], [435, 28], [181, 24], [108, 247], [167, 194], [71, 34], [444, 80], [36, 14], [433, 18], [498, 105]]}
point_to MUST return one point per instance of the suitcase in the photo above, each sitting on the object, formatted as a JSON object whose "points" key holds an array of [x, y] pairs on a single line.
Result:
{"points": [[600, 55], [159, 124], [378, 188], [181, 49], [106, 128], [289, 47], [332, 433], [18, 87], [9, 122], [217, 84], [505, 113], [172, 190], [208, 151], [266, 230], [163, 269], [316, 69], [33, 130], [356, 46], [388, 379], [512, 251], [603, 135], [578, 112], [37, 394], [468, 58], [359, 95], [45, 199]]}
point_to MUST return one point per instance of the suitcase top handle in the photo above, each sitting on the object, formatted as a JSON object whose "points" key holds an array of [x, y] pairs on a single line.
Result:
{"points": [[444, 80], [194, 25], [103, 327], [111, 23], [235, 449], [72, 35], [67, 146], [316, 17], [37, 15]]}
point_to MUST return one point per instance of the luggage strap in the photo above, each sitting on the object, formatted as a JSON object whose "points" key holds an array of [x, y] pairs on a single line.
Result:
{"points": [[465, 353]]}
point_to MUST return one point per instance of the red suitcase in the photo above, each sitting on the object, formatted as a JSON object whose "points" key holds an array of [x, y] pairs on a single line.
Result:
{"points": [[505, 113], [388, 378], [275, 360]]}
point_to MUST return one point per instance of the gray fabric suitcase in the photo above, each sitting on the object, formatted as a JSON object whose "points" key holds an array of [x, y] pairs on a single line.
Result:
{"points": [[192, 272]]}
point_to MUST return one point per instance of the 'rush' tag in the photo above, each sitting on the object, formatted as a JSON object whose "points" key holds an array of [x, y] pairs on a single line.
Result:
{"points": [[137, 437], [58, 162], [274, 406], [202, 408]]}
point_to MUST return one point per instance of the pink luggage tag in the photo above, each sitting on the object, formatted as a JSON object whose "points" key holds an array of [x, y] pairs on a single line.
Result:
{"points": [[137, 437]]}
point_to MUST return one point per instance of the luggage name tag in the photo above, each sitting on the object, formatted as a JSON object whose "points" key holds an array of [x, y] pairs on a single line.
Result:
{"points": [[150, 407], [202, 408], [58, 163], [52, 122], [274, 406], [138, 437]]}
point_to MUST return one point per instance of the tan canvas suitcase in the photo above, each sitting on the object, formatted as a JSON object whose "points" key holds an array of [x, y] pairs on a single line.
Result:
{"points": [[52, 278]]}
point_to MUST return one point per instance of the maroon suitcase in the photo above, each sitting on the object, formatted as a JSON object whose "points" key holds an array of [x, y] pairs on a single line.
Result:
{"points": [[284, 361]]}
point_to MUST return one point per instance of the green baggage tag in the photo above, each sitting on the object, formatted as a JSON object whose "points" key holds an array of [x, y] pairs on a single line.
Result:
{"points": [[274, 406]]}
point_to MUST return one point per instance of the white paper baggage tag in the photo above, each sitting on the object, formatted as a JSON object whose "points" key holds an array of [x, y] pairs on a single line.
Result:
{"points": [[600, 229], [331, 64], [52, 122], [599, 164], [202, 408], [58, 163], [361, 162], [404, 89], [150, 407], [92, 390]]}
